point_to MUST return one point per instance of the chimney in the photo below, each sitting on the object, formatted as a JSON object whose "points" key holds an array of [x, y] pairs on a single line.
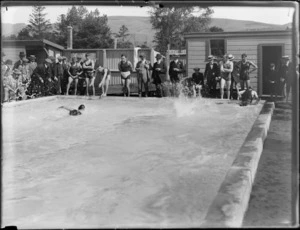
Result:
{"points": [[70, 38]]}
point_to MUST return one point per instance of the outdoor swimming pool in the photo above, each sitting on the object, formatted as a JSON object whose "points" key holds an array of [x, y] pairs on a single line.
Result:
{"points": [[126, 162]]}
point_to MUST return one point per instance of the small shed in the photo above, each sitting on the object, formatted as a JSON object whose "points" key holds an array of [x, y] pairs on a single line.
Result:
{"points": [[262, 47], [40, 48]]}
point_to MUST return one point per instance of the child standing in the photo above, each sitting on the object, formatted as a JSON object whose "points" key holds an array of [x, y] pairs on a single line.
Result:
{"points": [[273, 80]]}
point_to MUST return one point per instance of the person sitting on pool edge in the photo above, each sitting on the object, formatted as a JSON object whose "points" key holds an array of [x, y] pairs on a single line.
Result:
{"points": [[247, 96], [73, 112]]}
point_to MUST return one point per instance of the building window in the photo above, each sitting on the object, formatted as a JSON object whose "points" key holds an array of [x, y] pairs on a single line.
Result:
{"points": [[217, 47]]}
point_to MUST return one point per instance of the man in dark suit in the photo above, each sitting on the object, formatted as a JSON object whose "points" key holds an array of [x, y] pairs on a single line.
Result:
{"points": [[285, 82], [211, 74], [176, 67], [58, 75], [159, 69], [20, 62], [42, 77]]}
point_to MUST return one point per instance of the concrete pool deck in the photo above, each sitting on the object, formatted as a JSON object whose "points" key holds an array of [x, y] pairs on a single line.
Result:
{"points": [[230, 204]]}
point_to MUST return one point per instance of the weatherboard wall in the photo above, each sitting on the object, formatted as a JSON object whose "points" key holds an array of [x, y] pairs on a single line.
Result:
{"points": [[236, 43]]}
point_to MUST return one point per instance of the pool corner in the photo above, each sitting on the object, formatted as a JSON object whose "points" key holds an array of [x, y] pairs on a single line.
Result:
{"points": [[231, 202]]}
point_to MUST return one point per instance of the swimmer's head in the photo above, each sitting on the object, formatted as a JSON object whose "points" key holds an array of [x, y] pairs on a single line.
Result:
{"points": [[81, 107]]}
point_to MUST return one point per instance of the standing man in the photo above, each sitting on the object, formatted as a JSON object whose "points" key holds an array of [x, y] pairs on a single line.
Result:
{"points": [[143, 75], [58, 75], [285, 77], [211, 75], [244, 66], [176, 67], [42, 77], [125, 67], [159, 68], [20, 63], [32, 64]]}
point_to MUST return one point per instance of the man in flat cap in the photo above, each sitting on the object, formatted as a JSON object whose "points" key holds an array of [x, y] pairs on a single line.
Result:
{"points": [[143, 75], [20, 63], [159, 69], [41, 79], [176, 68], [285, 73], [58, 76], [211, 75], [32, 64]]}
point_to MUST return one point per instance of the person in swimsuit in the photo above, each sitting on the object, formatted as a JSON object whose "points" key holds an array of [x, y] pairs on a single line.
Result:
{"points": [[125, 67], [74, 71], [244, 66], [226, 67], [247, 96], [106, 75], [88, 73], [73, 112]]}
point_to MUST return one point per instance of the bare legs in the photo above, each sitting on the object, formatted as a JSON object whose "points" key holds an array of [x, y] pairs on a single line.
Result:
{"points": [[70, 80], [227, 83], [90, 83], [126, 85]]}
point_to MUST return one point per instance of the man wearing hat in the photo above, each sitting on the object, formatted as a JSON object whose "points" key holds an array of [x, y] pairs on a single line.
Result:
{"points": [[159, 69], [20, 63], [32, 64], [10, 84], [58, 78], [176, 68], [41, 79], [143, 75], [245, 70], [285, 73], [211, 74]]}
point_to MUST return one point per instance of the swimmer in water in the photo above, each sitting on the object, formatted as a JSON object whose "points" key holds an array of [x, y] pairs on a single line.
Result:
{"points": [[73, 112]]}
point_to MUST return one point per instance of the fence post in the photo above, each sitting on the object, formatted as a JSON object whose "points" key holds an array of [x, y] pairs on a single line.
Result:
{"points": [[152, 56], [168, 63], [104, 58]]}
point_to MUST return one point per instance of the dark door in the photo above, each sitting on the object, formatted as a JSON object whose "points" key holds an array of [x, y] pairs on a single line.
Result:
{"points": [[270, 54]]}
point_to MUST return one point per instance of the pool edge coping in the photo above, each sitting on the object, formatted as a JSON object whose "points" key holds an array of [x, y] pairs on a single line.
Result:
{"points": [[231, 202]]}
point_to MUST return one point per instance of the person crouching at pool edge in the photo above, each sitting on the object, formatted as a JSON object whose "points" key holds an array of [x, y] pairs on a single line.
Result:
{"points": [[247, 96], [105, 79], [125, 67], [88, 72], [10, 84]]}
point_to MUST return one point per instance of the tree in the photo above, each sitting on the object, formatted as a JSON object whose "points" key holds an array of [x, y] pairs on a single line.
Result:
{"points": [[171, 23], [38, 26], [90, 30], [215, 29], [123, 33], [24, 34]]}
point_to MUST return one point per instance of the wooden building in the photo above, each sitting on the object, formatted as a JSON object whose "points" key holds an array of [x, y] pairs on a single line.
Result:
{"points": [[40, 48], [262, 47]]}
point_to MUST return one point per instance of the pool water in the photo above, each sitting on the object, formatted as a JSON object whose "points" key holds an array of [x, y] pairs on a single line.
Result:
{"points": [[125, 162]]}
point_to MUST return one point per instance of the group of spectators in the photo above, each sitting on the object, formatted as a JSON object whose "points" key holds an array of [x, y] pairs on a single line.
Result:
{"points": [[25, 79]]}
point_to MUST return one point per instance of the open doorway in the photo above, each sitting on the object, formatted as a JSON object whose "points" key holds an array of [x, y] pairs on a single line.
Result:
{"points": [[270, 54]]}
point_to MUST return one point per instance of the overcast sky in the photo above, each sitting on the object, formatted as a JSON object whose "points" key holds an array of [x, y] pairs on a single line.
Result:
{"points": [[270, 15]]}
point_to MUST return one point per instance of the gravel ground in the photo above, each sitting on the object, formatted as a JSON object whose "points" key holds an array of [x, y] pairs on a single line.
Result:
{"points": [[270, 200]]}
